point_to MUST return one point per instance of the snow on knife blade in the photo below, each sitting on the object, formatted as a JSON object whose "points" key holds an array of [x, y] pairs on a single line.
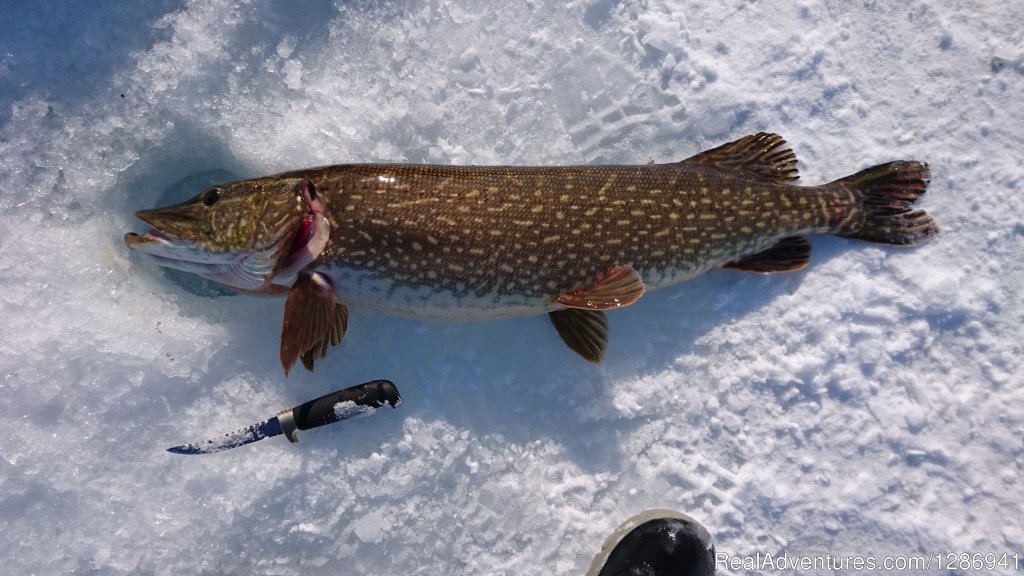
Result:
{"points": [[247, 435]]}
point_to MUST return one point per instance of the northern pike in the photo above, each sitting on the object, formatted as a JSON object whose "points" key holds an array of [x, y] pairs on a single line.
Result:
{"points": [[467, 243]]}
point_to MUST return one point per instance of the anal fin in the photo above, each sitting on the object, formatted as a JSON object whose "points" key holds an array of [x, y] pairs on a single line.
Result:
{"points": [[787, 255], [622, 286], [313, 320], [584, 331]]}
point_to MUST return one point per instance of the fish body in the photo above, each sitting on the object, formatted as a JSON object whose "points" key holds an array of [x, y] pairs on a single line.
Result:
{"points": [[464, 243], [477, 243]]}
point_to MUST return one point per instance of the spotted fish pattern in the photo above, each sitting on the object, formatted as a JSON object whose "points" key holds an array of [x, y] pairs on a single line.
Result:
{"points": [[542, 231], [458, 243]]}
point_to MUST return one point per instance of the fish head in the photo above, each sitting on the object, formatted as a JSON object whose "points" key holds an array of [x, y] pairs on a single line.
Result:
{"points": [[251, 236]]}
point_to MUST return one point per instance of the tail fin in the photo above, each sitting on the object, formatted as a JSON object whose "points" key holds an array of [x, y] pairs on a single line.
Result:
{"points": [[888, 191]]}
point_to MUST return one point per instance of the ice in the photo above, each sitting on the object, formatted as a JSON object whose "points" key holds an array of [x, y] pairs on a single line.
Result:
{"points": [[370, 527], [866, 405]]}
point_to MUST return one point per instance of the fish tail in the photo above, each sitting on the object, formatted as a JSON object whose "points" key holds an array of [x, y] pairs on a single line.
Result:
{"points": [[888, 192]]}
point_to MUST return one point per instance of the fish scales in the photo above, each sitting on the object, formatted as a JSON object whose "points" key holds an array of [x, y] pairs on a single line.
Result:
{"points": [[460, 243], [539, 231]]}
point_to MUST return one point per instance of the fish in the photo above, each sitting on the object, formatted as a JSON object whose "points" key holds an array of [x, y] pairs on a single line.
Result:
{"points": [[474, 243]]}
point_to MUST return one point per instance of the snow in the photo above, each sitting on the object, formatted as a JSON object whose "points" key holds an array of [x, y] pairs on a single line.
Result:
{"points": [[868, 405], [346, 410]]}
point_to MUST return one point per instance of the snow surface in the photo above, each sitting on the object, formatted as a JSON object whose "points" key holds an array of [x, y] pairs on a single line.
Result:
{"points": [[869, 405]]}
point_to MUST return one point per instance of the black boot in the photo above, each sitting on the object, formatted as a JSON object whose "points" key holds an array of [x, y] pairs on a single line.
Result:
{"points": [[656, 543]]}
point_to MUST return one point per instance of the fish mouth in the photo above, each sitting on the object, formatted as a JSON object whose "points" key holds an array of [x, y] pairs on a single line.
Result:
{"points": [[167, 232], [180, 254], [139, 241], [170, 224], [168, 239]]}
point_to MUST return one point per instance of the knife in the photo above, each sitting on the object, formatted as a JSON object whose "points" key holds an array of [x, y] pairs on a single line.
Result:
{"points": [[360, 400]]}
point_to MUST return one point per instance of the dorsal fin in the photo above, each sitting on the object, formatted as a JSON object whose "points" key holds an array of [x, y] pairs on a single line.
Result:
{"points": [[762, 155]]}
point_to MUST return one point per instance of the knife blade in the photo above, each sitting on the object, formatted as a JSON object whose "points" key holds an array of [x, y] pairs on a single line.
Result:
{"points": [[360, 400]]}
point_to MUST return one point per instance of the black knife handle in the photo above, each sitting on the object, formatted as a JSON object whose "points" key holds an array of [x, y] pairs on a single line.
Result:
{"points": [[322, 410]]}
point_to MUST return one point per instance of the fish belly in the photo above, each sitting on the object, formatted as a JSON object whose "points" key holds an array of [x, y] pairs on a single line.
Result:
{"points": [[372, 292], [368, 291]]}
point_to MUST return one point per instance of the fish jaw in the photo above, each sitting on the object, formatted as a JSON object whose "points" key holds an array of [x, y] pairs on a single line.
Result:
{"points": [[242, 271], [179, 239]]}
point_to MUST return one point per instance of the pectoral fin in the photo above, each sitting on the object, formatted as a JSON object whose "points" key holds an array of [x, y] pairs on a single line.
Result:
{"points": [[312, 320], [332, 338], [585, 331], [622, 286], [787, 255]]}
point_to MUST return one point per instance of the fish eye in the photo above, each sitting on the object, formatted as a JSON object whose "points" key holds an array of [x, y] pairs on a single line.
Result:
{"points": [[211, 196]]}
